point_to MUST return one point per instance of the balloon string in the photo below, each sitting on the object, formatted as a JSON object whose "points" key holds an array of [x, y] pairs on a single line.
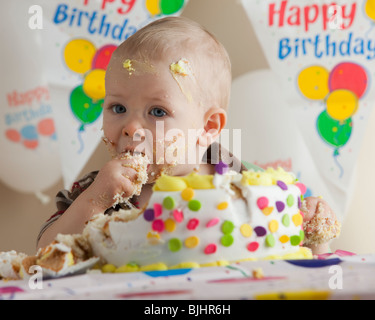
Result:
{"points": [[367, 32], [81, 143], [43, 198], [335, 155]]}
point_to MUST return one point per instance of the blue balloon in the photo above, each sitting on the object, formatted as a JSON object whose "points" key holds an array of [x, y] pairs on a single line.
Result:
{"points": [[29, 132]]}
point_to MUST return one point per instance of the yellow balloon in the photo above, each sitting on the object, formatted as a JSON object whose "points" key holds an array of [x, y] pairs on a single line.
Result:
{"points": [[94, 84], [370, 9], [342, 104], [153, 7], [78, 55], [313, 82]]}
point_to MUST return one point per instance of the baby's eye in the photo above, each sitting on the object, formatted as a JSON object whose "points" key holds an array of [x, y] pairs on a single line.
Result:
{"points": [[157, 112], [118, 108]]}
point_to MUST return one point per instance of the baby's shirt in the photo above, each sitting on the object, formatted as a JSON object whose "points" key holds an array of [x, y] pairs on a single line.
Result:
{"points": [[65, 198]]}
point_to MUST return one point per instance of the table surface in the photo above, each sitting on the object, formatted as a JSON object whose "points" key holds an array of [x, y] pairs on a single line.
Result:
{"points": [[335, 276]]}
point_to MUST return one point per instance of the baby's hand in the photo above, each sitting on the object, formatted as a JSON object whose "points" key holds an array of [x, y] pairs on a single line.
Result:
{"points": [[319, 223], [117, 177]]}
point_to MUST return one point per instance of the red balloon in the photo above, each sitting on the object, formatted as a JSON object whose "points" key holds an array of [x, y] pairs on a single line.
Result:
{"points": [[46, 127], [349, 76], [102, 57], [30, 144], [13, 135]]}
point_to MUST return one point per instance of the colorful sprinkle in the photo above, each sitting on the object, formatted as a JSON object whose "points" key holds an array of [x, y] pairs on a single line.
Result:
{"points": [[273, 226], [270, 241], [149, 215], [222, 205], [285, 220], [170, 225], [282, 185], [169, 203], [158, 225], [260, 231], [246, 230], [178, 215], [227, 240], [284, 239], [210, 249], [280, 206], [153, 237], [194, 205], [302, 235], [262, 203], [267, 211], [302, 187], [295, 240], [221, 168], [158, 209], [290, 200], [192, 224], [227, 227], [212, 222], [187, 194], [191, 242], [174, 244], [253, 246], [297, 219]]}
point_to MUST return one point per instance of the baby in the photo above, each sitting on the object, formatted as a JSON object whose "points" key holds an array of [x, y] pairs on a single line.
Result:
{"points": [[167, 94]]}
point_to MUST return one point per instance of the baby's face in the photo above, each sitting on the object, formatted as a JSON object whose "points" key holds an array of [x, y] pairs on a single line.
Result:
{"points": [[150, 107]]}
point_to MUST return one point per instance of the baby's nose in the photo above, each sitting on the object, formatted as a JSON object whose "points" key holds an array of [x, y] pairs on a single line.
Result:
{"points": [[134, 130]]}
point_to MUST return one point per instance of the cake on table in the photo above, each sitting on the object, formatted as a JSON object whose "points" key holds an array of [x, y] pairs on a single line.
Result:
{"points": [[197, 220], [189, 222]]}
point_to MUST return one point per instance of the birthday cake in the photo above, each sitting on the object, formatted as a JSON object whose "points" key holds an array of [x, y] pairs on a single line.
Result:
{"points": [[196, 221], [189, 222]]}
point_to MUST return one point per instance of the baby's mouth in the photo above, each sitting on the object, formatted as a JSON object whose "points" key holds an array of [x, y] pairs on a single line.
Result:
{"points": [[132, 151]]}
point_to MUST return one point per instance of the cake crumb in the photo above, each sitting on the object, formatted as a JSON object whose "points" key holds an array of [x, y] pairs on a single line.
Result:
{"points": [[258, 273]]}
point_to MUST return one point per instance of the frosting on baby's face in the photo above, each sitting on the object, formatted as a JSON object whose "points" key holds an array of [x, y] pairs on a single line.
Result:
{"points": [[154, 97], [136, 67]]}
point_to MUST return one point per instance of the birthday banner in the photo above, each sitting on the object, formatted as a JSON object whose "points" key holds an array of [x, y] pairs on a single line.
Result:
{"points": [[79, 38], [28, 139], [323, 54]]}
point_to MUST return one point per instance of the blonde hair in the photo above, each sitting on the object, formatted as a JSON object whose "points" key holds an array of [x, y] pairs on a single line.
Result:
{"points": [[169, 35]]}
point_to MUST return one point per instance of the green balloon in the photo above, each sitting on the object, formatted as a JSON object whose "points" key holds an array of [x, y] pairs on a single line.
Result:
{"points": [[335, 133], [84, 108], [171, 6]]}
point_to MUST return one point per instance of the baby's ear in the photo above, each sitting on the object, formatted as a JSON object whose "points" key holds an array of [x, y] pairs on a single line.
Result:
{"points": [[215, 120]]}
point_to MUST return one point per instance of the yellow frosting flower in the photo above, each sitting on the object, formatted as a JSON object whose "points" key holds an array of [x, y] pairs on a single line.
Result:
{"points": [[280, 175], [256, 178], [169, 183], [197, 181]]}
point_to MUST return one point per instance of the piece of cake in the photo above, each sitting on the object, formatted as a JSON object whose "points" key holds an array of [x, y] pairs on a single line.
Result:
{"points": [[200, 220], [140, 166], [68, 254], [10, 265]]}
